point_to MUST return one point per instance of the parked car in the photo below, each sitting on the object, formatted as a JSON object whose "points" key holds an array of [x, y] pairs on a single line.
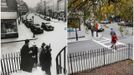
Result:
{"points": [[47, 27], [126, 23], [121, 23], [36, 29], [100, 28], [47, 18], [60, 18], [105, 22], [129, 24], [117, 18]]}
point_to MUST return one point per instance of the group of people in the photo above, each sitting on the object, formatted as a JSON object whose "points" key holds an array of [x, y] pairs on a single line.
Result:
{"points": [[94, 28], [32, 56]]}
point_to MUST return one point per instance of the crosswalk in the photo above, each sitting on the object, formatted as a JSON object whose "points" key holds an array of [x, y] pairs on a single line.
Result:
{"points": [[107, 43]]}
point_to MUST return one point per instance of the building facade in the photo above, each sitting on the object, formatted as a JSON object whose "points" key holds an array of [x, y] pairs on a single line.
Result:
{"points": [[9, 19], [61, 9], [22, 7]]}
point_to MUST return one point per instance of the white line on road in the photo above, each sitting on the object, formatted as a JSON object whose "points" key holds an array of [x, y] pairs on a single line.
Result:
{"points": [[104, 43]]}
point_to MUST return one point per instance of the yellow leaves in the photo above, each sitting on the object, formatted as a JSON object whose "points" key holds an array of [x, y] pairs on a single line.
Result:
{"points": [[107, 9], [74, 22]]}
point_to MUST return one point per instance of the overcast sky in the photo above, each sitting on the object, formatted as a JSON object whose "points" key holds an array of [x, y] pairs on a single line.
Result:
{"points": [[33, 3]]}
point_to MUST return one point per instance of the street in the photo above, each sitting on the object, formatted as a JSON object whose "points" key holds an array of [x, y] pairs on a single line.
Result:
{"points": [[103, 41], [56, 38]]}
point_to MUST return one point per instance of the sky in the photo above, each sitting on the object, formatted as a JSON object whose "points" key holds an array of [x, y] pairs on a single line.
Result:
{"points": [[33, 3]]}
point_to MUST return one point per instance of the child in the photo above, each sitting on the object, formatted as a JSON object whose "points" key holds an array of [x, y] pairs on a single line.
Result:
{"points": [[114, 40]]}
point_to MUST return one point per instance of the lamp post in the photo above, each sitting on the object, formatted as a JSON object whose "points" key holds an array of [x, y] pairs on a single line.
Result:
{"points": [[65, 10]]}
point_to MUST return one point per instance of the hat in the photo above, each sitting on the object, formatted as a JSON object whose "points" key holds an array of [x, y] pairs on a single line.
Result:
{"points": [[43, 44], [26, 41]]}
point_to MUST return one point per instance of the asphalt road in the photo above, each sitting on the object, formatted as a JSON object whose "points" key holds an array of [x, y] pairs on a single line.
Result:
{"points": [[103, 41]]}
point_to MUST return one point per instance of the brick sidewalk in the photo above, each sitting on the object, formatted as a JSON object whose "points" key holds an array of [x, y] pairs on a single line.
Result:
{"points": [[120, 68]]}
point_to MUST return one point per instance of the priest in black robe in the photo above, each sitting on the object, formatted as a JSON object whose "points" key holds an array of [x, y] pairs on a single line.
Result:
{"points": [[26, 58]]}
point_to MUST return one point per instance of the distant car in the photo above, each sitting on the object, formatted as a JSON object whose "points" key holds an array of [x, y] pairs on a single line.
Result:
{"points": [[105, 22], [60, 18], [129, 24], [47, 18], [36, 29], [100, 28], [47, 27], [126, 23], [27, 23], [117, 18], [121, 23]]}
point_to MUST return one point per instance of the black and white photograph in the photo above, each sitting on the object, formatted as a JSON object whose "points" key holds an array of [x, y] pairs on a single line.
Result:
{"points": [[33, 37]]}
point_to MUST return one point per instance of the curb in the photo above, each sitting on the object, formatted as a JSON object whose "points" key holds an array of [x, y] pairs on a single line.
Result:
{"points": [[17, 41]]}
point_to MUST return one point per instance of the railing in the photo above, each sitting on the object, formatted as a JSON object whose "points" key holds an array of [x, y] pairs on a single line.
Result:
{"points": [[88, 60], [10, 63], [61, 62]]}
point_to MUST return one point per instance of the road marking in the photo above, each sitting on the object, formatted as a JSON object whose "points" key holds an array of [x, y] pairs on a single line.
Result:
{"points": [[104, 40], [107, 43]]}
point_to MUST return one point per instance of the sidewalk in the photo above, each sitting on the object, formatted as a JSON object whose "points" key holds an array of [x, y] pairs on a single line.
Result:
{"points": [[86, 37], [119, 68]]}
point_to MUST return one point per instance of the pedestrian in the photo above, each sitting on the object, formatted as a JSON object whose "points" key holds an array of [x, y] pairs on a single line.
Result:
{"points": [[45, 59], [33, 35], [112, 32], [114, 40], [34, 49], [18, 21], [43, 46], [96, 28], [26, 58], [121, 31]]}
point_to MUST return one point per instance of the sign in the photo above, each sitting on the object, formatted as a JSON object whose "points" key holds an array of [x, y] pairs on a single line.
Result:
{"points": [[8, 15]]}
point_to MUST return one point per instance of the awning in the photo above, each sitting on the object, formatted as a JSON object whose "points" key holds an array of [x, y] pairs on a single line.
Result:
{"points": [[8, 15]]}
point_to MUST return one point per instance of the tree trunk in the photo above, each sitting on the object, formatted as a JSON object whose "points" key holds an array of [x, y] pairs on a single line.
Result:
{"points": [[76, 33]]}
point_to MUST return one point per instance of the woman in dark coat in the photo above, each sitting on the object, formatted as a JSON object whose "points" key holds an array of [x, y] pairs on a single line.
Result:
{"points": [[26, 58], [45, 59], [34, 49]]}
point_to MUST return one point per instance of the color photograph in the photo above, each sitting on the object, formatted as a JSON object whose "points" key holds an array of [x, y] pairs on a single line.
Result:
{"points": [[100, 37]]}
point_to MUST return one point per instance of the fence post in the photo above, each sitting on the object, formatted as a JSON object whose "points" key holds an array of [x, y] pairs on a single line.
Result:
{"points": [[70, 56], [64, 60], [129, 57], [57, 66], [104, 55]]}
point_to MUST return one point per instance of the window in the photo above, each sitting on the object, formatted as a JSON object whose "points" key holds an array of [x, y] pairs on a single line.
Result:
{"points": [[3, 3], [8, 26]]}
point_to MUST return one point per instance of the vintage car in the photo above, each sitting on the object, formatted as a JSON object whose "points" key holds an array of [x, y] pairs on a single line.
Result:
{"points": [[47, 18], [47, 27], [36, 29]]}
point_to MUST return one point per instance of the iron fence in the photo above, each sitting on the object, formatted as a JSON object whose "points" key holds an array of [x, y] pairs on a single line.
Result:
{"points": [[61, 61], [88, 60], [10, 63]]}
